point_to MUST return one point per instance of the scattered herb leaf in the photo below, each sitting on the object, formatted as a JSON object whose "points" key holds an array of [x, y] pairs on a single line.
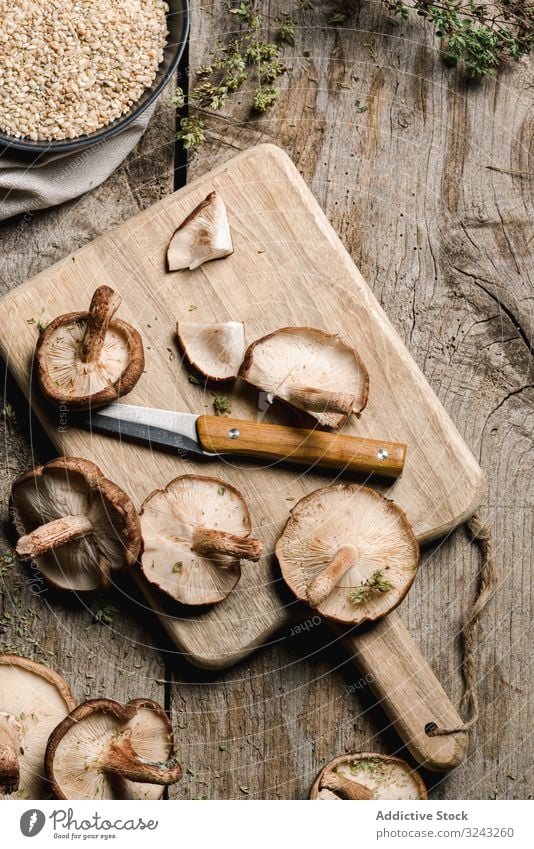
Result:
{"points": [[7, 561], [222, 405], [8, 414], [104, 615], [286, 33]]}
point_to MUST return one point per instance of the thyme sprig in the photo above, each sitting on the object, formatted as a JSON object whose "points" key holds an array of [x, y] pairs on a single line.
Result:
{"points": [[374, 583], [479, 36], [482, 36], [250, 55]]}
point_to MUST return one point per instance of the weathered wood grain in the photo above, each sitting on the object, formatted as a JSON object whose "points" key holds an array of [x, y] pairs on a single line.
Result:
{"points": [[120, 657], [411, 172], [282, 243], [443, 240]]}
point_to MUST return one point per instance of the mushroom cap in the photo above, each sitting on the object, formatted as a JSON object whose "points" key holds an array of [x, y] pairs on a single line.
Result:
{"points": [[202, 236], [169, 519], [77, 748], [307, 357], [38, 698], [333, 517], [65, 379], [73, 486], [387, 777], [215, 350]]}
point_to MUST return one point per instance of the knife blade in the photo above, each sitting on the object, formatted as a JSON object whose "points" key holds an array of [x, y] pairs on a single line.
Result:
{"points": [[212, 436], [157, 428]]}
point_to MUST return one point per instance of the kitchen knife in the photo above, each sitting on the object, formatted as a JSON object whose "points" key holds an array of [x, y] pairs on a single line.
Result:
{"points": [[211, 436]]}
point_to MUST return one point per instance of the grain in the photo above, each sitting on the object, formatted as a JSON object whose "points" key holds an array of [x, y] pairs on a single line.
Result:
{"points": [[70, 67]]}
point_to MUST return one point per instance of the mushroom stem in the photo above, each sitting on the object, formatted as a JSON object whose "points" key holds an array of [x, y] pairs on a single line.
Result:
{"points": [[53, 535], [104, 304], [321, 586], [345, 787], [10, 747], [123, 761], [214, 544], [320, 401]]}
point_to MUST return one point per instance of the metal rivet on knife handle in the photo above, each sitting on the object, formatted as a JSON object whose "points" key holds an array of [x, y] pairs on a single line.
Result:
{"points": [[233, 433]]}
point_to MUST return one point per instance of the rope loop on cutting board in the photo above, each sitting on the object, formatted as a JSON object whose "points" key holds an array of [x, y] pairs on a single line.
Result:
{"points": [[487, 584]]}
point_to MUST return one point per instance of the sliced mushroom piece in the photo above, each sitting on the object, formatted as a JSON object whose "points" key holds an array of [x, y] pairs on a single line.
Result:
{"points": [[78, 526], [88, 359], [215, 350], [105, 750], [349, 553], [204, 235], [311, 370], [195, 532], [368, 776], [33, 699]]}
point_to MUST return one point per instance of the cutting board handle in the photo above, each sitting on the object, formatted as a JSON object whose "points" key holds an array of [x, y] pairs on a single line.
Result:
{"points": [[408, 692]]}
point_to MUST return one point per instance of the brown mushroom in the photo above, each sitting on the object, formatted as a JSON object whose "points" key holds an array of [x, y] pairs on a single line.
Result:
{"points": [[195, 532], [78, 526], [311, 370], [204, 235], [368, 776], [349, 553], [215, 350], [88, 359], [33, 699], [105, 750]]}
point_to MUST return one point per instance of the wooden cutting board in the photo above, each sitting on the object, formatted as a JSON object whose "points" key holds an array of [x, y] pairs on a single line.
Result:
{"points": [[289, 268]]}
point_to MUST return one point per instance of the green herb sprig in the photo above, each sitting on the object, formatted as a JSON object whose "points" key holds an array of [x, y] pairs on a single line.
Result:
{"points": [[479, 36], [250, 55], [375, 583]]}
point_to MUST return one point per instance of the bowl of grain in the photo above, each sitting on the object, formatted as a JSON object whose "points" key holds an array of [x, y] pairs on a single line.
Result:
{"points": [[75, 72]]}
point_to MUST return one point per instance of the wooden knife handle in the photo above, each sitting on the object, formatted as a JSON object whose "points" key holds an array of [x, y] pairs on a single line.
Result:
{"points": [[296, 445], [408, 691]]}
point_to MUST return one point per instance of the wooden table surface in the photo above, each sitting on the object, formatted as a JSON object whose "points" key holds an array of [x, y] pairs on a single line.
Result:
{"points": [[431, 191]]}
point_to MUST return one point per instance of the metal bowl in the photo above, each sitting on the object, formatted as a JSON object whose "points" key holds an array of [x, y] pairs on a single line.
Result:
{"points": [[178, 26]]}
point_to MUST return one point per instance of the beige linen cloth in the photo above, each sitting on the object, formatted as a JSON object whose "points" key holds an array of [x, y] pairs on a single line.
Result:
{"points": [[49, 179]]}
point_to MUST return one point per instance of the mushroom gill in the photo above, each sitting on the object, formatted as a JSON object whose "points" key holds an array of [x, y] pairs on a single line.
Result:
{"points": [[77, 525], [365, 775], [214, 350], [349, 553], [105, 750], [313, 371], [204, 235], [196, 531], [88, 359], [33, 700]]}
